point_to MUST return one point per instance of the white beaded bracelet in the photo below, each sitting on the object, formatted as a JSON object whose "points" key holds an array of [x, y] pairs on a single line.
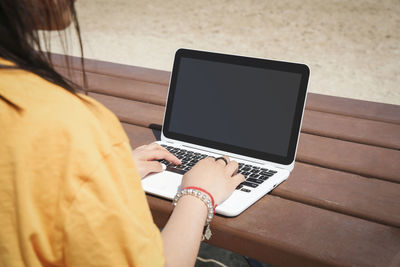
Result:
{"points": [[206, 200]]}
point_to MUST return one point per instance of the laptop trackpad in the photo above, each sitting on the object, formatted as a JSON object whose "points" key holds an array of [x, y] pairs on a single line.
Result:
{"points": [[164, 184]]}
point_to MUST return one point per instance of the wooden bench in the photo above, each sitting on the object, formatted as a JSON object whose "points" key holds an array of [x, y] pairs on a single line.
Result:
{"points": [[339, 207]]}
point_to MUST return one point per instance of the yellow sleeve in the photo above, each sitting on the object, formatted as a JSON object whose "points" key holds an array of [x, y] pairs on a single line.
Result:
{"points": [[109, 222]]}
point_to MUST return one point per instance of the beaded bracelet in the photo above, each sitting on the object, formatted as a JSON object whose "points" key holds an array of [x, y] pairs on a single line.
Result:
{"points": [[206, 192], [207, 199]]}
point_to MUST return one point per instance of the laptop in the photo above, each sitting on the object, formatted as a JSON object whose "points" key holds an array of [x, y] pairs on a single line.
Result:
{"points": [[249, 109]]}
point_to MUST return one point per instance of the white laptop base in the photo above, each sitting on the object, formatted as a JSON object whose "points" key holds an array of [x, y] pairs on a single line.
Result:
{"points": [[166, 184]]}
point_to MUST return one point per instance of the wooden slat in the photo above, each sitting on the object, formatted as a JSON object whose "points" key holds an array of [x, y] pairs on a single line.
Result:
{"points": [[319, 123], [330, 104], [355, 108], [73, 75], [352, 129], [115, 69], [356, 158], [134, 112], [287, 233], [121, 87], [139, 135], [350, 194], [135, 90], [324, 188]]}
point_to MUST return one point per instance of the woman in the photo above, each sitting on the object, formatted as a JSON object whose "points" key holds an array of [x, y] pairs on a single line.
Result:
{"points": [[70, 191]]}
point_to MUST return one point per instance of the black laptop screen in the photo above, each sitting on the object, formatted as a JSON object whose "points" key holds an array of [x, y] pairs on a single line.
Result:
{"points": [[238, 108]]}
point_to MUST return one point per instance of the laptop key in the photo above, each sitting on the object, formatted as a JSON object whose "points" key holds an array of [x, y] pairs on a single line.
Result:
{"points": [[263, 177], [250, 184], [257, 181], [266, 173], [254, 175], [245, 190], [239, 186], [180, 166], [175, 170]]}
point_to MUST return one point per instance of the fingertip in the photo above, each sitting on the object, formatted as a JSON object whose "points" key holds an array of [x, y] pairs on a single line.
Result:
{"points": [[175, 159], [171, 157], [235, 163]]}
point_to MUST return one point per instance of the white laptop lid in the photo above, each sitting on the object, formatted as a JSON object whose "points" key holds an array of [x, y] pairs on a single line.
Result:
{"points": [[244, 106]]}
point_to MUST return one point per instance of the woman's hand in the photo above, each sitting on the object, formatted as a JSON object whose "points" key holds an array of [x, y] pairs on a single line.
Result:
{"points": [[183, 231], [216, 177], [146, 158]]}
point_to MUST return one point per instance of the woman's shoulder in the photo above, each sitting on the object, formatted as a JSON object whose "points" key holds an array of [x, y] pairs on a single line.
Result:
{"points": [[30, 101]]}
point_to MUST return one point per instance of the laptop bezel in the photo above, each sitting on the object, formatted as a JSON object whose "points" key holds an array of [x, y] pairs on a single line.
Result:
{"points": [[246, 61]]}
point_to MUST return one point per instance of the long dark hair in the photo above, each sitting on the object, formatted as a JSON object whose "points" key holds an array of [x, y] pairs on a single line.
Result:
{"points": [[28, 48]]}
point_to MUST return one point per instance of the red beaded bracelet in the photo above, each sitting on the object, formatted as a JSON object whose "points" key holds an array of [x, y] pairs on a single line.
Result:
{"points": [[204, 191]]}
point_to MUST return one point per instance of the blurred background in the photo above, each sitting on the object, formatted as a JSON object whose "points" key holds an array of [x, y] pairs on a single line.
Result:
{"points": [[351, 46]]}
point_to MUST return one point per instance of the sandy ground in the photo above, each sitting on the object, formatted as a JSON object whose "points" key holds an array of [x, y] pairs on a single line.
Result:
{"points": [[352, 47]]}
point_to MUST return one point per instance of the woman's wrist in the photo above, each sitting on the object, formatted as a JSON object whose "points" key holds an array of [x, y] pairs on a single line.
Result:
{"points": [[208, 202], [214, 206], [193, 207], [200, 194]]}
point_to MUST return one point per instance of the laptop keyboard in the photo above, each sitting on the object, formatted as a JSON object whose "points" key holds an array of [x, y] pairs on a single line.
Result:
{"points": [[254, 175]]}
